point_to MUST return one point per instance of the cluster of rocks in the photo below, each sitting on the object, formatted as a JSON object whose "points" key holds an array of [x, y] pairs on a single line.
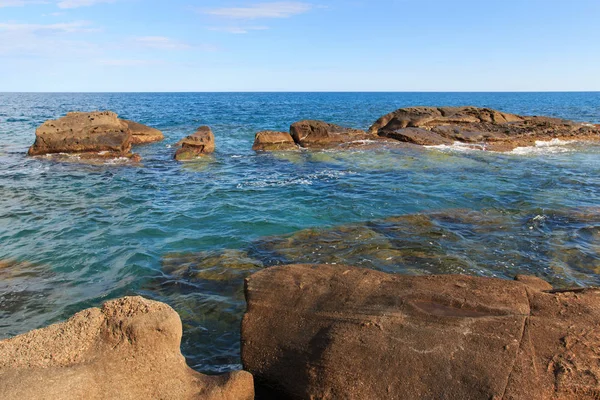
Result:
{"points": [[480, 128], [102, 135], [331, 332]]}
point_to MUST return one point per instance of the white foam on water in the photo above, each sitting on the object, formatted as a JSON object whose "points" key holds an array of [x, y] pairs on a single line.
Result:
{"points": [[458, 146], [553, 146]]}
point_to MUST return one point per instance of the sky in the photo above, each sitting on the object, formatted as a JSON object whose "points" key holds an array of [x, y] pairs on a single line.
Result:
{"points": [[320, 45]]}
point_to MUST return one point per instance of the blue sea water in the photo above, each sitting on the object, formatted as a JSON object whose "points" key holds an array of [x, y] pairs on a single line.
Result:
{"points": [[73, 236]]}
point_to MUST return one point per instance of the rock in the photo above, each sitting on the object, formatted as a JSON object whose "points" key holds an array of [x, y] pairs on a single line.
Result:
{"points": [[321, 135], [332, 331], [98, 134], [274, 141], [141, 134], [199, 144], [493, 130], [128, 349]]}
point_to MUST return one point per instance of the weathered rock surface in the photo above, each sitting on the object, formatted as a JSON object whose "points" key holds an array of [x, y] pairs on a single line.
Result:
{"points": [[337, 332], [496, 130], [142, 134], [199, 144], [129, 349], [97, 134], [321, 135], [274, 141]]}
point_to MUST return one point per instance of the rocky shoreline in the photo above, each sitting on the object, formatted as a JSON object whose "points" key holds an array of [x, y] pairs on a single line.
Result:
{"points": [[102, 135], [330, 332]]}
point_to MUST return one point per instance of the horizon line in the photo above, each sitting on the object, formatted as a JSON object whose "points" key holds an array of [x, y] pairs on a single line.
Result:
{"points": [[307, 91]]}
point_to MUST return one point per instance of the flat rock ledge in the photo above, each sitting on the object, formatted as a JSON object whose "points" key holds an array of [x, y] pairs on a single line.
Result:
{"points": [[97, 135], [128, 349], [481, 128], [196, 145], [318, 135], [340, 332]]}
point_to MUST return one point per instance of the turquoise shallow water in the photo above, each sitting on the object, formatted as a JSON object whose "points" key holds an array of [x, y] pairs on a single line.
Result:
{"points": [[73, 236]]}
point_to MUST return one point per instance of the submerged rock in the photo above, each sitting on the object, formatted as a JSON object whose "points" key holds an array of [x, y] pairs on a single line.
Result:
{"points": [[128, 349], [142, 134], [199, 144], [98, 134], [321, 135], [480, 127], [332, 331], [274, 141]]}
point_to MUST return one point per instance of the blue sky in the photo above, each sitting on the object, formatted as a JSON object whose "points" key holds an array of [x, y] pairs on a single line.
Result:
{"points": [[321, 45]]}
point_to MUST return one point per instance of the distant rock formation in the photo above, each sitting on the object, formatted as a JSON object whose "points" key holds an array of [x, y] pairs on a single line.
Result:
{"points": [[332, 331], [142, 134], [274, 141], [92, 135], [128, 349], [480, 127], [198, 144]]}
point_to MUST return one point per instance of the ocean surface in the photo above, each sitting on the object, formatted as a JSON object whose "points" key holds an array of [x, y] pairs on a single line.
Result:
{"points": [[73, 236]]}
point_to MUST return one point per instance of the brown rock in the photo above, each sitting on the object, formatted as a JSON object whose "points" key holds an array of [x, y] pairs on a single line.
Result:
{"points": [[97, 134], [494, 130], [199, 144], [320, 135], [129, 349], [332, 331], [274, 141], [141, 134]]}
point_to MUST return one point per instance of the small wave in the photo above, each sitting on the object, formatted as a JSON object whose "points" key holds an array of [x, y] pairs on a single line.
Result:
{"points": [[553, 146], [459, 146]]}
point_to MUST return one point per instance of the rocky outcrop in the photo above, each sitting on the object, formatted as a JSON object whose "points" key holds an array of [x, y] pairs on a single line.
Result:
{"points": [[274, 141], [480, 127], [142, 134], [199, 144], [97, 134], [128, 349], [319, 135], [331, 332]]}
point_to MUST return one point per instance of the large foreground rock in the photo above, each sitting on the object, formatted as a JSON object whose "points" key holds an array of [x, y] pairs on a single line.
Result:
{"points": [[337, 332], [198, 144], [321, 135], [480, 127], [142, 134], [97, 134], [129, 349], [274, 141]]}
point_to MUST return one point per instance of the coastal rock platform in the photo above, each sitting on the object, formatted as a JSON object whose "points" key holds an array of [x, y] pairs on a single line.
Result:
{"points": [[480, 127], [128, 349], [333, 331]]}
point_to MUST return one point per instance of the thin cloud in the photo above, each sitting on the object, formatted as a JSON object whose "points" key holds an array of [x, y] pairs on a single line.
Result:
{"points": [[68, 27], [280, 9], [161, 42], [81, 3], [129, 63], [237, 29], [20, 3]]}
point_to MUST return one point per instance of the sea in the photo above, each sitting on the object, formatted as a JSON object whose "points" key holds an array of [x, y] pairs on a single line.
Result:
{"points": [[73, 235]]}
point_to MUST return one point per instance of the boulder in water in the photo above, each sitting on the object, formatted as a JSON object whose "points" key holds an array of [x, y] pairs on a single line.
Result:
{"points": [[99, 134], [128, 349], [199, 144], [322, 135], [333, 331], [274, 141]]}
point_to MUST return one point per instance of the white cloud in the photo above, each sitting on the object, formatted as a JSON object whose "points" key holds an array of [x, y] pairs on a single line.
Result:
{"points": [[19, 3], [280, 9], [161, 42], [81, 3], [237, 29], [46, 40], [128, 63]]}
